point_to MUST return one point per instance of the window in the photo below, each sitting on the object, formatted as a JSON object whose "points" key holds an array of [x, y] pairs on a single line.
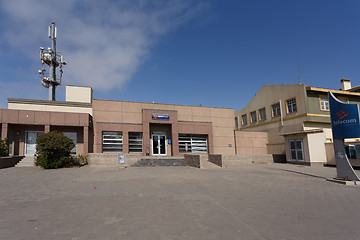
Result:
{"points": [[236, 122], [351, 151], [275, 110], [296, 150], [243, 120], [253, 117], [73, 136], [112, 142], [262, 114], [324, 103], [343, 99], [192, 143], [291, 105], [135, 142]]}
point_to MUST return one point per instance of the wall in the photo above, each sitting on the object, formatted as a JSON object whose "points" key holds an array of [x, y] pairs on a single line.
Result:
{"points": [[316, 147], [41, 105], [275, 126], [16, 122], [192, 160], [330, 155], [78, 94], [217, 123], [6, 162], [251, 142], [216, 159], [272, 94]]}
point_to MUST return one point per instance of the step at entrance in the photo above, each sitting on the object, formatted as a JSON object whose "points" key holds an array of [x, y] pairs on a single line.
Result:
{"points": [[163, 162], [27, 161]]}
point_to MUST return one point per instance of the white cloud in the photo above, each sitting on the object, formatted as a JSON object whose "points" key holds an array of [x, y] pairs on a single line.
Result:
{"points": [[12, 89], [104, 42]]}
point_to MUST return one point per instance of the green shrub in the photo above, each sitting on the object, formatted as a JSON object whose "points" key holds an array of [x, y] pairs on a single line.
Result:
{"points": [[53, 150], [79, 160], [4, 148]]}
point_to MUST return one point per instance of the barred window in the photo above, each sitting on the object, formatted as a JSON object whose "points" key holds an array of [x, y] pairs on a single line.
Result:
{"points": [[291, 105], [112, 141], [276, 110], [135, 142], [192, 143], [253, 118]]}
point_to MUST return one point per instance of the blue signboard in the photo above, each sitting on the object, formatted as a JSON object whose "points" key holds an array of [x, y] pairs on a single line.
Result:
{"points": [[161, 116], [344, 119]]}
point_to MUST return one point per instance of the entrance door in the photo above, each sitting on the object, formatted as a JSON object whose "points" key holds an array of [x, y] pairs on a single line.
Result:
{"points": [[296, 150], [30, 145], [159, 144]]}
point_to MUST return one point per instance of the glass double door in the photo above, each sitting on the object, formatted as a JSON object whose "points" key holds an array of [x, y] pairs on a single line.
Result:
{"points": [[30, 142], [158, 144]]}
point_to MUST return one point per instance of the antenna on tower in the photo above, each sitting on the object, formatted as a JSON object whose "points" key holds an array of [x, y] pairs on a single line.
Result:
{"points": [[53, 59]]}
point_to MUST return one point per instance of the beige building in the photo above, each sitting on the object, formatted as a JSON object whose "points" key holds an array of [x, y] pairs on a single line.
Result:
{"points": [[134, 128], [297, 120], [25, 119], [162, 129]]}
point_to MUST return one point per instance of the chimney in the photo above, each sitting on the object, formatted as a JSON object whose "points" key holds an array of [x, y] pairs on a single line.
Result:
{"points": [[345, 84]]}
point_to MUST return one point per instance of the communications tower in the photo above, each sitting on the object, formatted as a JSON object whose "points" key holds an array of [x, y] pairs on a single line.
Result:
{"points": [[53, 59]]}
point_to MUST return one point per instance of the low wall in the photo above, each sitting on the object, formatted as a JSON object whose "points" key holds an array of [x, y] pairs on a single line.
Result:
{"points": [[279, 158], [216, 159], [6, 162], [192, 160], [111, 159], [227, 160]]}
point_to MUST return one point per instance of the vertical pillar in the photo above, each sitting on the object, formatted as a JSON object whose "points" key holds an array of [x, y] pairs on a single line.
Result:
{"points": [[86, 141], [175, 139], [47, 128], [4, 130], [343, 167], [125, 142], [146, 138], [97, 145]]}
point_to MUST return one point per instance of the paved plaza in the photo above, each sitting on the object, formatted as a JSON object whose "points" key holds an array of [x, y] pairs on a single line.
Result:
{"points": [[259, 201]]}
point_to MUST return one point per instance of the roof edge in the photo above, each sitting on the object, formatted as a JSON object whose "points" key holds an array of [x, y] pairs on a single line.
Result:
{"points": [[47, 102]]}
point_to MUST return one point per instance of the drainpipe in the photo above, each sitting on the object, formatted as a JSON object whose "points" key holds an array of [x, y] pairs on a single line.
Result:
{"points": [[235, 141], [281, 113]]}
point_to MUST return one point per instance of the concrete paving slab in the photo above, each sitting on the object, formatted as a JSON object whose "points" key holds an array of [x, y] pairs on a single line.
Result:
{"points": [[272, 201]]}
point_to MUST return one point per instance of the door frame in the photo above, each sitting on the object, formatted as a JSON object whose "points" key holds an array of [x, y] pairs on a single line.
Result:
{"points": [[160, 134]]}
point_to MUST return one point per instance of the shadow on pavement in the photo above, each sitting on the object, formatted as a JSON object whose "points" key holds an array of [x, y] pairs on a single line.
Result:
{"points": [[305, 174]]}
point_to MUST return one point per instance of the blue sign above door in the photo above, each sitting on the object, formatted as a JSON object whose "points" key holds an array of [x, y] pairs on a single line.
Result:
{"points": [[161, 116]]}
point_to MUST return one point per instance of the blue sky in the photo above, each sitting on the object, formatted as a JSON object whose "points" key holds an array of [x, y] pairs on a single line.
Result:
{"points": [[208, 52]]}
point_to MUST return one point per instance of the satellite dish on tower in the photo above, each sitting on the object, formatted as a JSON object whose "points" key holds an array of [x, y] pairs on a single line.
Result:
{"points": [[53, 59]]}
